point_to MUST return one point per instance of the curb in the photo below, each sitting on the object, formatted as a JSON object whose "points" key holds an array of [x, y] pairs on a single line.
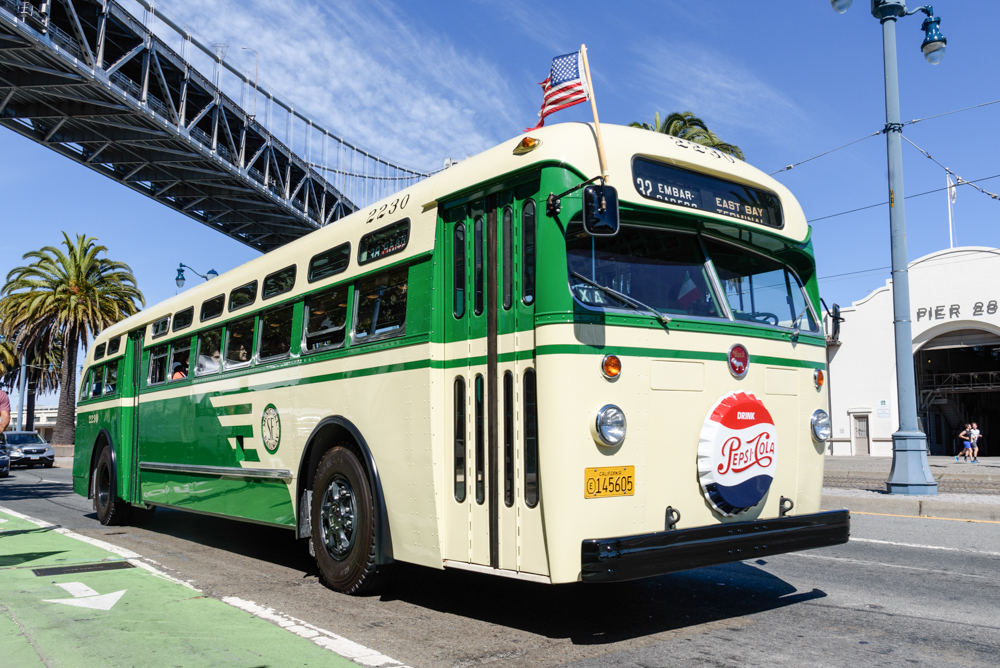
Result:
{"points": [[957, 477], [914, 507]]}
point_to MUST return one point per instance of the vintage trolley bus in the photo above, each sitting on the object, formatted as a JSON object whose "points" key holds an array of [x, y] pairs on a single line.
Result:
{"points": [[511, 367]]}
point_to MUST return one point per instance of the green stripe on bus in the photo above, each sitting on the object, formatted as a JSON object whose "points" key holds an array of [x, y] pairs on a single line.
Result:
{"points": [[572, 349], [236, 409]]}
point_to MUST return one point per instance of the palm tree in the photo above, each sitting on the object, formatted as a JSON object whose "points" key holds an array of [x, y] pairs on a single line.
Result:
{"points": [[60, 300], [688, 126], [43, 368]]}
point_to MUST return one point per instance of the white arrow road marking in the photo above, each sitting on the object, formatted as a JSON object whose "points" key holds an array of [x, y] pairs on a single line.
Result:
{"points": [[77, 589], [85, 597]]}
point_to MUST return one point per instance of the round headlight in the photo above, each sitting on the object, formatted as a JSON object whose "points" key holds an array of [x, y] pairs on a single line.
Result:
{"points": [[611, 425], [821, 427]]}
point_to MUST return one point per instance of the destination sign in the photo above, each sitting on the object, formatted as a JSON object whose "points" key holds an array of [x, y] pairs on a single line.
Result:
{"points": [[672, 185]]}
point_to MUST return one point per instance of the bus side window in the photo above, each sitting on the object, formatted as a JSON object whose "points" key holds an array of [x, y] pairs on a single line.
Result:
{"points": [[508, 257], [459, 240], [381, 305], [239, 343], [480, 446], [111, 378], [157, 365], [180, 358], [460, 439], [325, 320], [276, 333], [530, 440], [96, 381], [477, 259], [528, 248], [508, 439], [209, 352]]}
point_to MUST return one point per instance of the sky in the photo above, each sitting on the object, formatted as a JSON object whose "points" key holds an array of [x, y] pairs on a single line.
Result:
{"points": [[417, 83]]}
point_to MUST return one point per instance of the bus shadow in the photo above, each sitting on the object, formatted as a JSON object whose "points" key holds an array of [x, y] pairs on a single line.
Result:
{"points": [[594, 614]]}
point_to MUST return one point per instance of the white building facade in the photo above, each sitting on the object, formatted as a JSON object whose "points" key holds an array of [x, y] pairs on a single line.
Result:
{"points": [[955, 320]]}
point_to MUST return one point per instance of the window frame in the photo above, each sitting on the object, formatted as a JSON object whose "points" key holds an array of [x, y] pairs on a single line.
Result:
{"points": [[98, 385], [166, 327], [459, 440], [530, 408], [260, 333], [224, 356], [309, 276], [361, 243], [107, 370], [457, 267], [304, 346], [149, 371], [170, 360], [99, 351], [253, 301], [507, 258], [222, 333], [508, 438], [528, 297], [118, 345], [176, 319], [263, 288], [222, 310], [478, 266], [399, 331], [479, 436]]}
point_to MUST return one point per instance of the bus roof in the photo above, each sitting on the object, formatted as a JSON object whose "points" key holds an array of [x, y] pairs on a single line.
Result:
{"points": [[572, 145]]}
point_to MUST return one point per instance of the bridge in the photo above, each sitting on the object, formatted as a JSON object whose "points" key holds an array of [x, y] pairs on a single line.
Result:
{"points": [[93, 82]]}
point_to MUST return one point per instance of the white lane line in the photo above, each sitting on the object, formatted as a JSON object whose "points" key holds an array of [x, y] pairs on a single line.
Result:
{"points": [[331, 641], [326, 639], [924, 547], [884, 565]]}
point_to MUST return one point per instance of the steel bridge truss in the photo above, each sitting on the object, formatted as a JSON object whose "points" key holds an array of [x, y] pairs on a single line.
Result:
{"points": [[90, 81]]}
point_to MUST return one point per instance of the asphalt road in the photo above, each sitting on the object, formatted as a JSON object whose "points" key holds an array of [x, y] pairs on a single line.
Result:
{"points": [[904, 592]]}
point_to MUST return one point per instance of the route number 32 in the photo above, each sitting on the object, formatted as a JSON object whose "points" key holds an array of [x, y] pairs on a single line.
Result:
{"points": [[388, 209]]}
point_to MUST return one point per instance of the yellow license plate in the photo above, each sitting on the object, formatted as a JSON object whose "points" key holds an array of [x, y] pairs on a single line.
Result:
{"points": [[608, 481]]}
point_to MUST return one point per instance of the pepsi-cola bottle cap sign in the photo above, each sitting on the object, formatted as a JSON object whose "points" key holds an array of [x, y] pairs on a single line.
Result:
{"points": [[737, 453]]}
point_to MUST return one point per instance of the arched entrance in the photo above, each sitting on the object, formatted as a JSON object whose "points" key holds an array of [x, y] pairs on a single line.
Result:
{"points": [[957, 366]]}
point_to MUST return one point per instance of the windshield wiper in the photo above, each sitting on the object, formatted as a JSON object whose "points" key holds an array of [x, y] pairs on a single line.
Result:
{"points": [[795, 325], [634, 303]]}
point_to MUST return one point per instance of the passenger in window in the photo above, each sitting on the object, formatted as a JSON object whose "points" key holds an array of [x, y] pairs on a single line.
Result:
{"points": [[179, 372]]}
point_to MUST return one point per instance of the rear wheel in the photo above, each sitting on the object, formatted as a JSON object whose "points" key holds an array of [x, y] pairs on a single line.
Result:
{"points": [[111, 511], [343, 523]]}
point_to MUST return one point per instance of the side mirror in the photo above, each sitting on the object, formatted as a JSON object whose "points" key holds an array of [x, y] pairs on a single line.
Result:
{"points": [[600, 211]]}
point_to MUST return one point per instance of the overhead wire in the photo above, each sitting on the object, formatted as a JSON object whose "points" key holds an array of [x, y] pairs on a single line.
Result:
{"points": [[926, 192], [959, 180]]}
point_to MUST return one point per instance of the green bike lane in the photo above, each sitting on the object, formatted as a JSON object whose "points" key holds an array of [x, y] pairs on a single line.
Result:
{"points": [[65, 600]]}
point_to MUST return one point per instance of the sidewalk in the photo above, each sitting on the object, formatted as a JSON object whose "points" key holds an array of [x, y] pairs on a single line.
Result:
{"points": [[66, 600], [965, 491]]}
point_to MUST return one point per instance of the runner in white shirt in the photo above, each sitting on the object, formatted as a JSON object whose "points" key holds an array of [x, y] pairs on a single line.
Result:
{"points": [[974, 434]]}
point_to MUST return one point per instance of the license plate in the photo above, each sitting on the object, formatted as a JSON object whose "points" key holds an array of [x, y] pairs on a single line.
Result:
{"points": [[608, 481], [34, 456]]}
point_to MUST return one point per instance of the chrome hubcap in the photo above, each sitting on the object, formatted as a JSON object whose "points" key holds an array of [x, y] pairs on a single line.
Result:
{"points": [[337, 516]]}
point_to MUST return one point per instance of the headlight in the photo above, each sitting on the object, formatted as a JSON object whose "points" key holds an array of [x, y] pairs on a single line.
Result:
{"points": [[15, 451], [821, 428], [611, 425]]}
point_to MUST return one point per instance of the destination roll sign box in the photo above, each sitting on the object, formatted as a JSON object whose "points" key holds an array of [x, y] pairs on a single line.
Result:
{"points": [[672, 185]]}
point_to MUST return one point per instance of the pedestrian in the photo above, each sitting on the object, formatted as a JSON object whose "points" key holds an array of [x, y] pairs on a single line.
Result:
{"points": [[4, 411], [966, 444], [975, 434]]}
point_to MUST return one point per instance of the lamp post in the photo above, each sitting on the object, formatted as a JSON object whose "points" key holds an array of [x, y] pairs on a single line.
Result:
{"points": [[179, 280], [910, 472]]}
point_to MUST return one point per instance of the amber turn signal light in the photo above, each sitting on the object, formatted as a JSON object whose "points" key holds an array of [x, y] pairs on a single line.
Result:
{"points": [[818, 378], [611, 367], [527, 145]]}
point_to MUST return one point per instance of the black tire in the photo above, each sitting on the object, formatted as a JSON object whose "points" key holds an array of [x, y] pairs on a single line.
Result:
{"points": [[48, 465], [343, 528], [111, 510], [4, 474]]}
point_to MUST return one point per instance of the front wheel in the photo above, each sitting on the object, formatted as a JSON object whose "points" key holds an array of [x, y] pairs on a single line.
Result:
{"points": [[343, 523], [111, 511]]}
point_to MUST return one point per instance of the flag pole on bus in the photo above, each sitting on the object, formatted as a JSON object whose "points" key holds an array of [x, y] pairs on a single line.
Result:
{"points": [[569, 84]]}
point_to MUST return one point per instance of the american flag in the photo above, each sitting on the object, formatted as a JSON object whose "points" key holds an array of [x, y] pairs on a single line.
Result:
{"points": [[563, 88]]}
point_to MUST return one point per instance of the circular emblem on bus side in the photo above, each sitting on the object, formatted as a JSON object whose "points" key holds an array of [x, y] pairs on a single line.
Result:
{"points": [[739, 360], [737, 453], [270, 429]]}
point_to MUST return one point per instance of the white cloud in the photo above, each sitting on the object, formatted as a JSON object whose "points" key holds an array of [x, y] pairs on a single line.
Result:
{"points": [[394, 87], [722, 91]]}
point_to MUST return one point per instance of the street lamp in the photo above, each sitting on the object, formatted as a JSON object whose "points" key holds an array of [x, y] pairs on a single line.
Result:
{"points": [[212, 273], [910, 473]]}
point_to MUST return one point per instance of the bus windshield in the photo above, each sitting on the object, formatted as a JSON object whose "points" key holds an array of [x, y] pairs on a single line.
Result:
{"points": [[668, 270]]}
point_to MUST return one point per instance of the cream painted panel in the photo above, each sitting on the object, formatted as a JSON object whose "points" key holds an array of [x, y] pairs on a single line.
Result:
{"points": [[677, 376], [781, 381], [812, 455]]}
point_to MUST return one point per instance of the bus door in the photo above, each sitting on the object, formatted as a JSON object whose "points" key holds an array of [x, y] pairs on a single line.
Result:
{"points": [[128, 452], [493, 518]]}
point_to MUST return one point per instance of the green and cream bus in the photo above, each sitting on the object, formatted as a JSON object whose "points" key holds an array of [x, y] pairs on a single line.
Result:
{"points": [[513, 367]]}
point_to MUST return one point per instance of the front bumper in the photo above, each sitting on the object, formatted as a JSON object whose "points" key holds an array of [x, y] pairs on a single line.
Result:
{"points": [[632, 557], [32, 460]]}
